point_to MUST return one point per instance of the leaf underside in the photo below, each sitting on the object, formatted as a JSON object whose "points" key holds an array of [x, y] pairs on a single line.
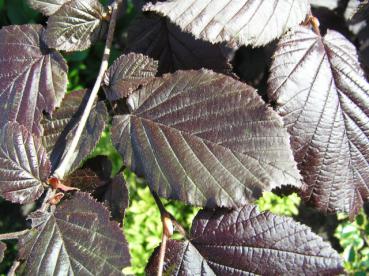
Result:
{"points": [[127, 73], [77, 239], [2, 251], [24, 165], [320, 91], [76, 25], [247, 242], [161, 40], [33, 78], [244, 22], [61, 127], [47, 7], [204, 138]]}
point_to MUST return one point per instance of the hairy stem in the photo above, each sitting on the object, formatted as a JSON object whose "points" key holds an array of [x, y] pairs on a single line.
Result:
{"points": [[13, 235], [63, 167]]}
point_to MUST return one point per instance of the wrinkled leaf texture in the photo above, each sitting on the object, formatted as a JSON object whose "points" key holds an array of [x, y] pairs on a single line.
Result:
{"points": [[2, 251], [204, 138], [33, 78], [24, 165], [247, 242], [245, 22], [320, 91], [76, 25], [60, 129], [47, 7], [77, 239], [161, 40], [127, 73]]}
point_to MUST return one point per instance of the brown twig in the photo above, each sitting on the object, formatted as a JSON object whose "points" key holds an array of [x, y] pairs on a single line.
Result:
{"points": [[13, 235]]}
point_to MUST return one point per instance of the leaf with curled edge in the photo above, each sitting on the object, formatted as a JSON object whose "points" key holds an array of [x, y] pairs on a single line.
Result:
{"points": [[60, 129], [321, 93], [127, 73], [204, 138], [76, 25], [33, 78], [46, 7], [2, 251], [161, 40], [247, 242], [24, 165], [244, 22], [77, 239]]}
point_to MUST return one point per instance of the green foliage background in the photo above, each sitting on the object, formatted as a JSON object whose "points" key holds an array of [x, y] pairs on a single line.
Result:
{"points": [[142, 224]]}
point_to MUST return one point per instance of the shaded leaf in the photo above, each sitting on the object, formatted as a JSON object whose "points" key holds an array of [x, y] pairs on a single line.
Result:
{"points": [[204, 138], [161, 40], [245, 22], [127, 73], [320, 91], [2, 251], [76, 25], [47, 7], [361, 13], [60, 129], [77, 239], [247, 242], [24, 165], [33, 78], [330, 4]]}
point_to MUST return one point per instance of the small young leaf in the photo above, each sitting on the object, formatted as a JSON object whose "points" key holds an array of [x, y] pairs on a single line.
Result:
{"points": [[2, 251], [245, 22], [320, 91], [33, 78], [47, 7], [24, 165], [76, 25], [60, 129], [127, 73], [77, 239], [247, 242], [204, 138], [161, 40]]}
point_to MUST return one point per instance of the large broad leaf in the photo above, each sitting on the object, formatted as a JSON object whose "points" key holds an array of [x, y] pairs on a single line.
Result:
{"points": [[156, 37], [319, 89], [33, 78], [76, 25], [47, 7], [60, 129], [247, 242], [204, 138], [2, 251], [245, 22], [77, 239], [127, 73], [24, 165]]}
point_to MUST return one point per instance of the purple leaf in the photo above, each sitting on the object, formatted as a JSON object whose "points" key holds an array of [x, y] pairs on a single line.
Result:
{"points": [[204, 138], [24, 165], [77, 239], [47, 7], [33, 78], [320, 91]]}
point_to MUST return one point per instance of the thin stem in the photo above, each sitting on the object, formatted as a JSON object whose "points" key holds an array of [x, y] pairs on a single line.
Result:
{"points": [[13, 235], [13, 269], [63, 168], [163, 247]]}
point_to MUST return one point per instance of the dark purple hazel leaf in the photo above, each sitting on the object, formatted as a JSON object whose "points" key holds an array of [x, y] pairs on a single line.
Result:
{"points": [[33, 78], [24, 165], [204, 138], [77, 239], [2, 251], [161, 40], [247, 242], [76, 25], [47, 7], [361, 13], [321, 93], [60, 128], [245, 22], [127, 73]]}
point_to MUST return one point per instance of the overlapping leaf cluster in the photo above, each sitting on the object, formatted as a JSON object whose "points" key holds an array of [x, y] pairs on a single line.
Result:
{"points": [[184, 121]]}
